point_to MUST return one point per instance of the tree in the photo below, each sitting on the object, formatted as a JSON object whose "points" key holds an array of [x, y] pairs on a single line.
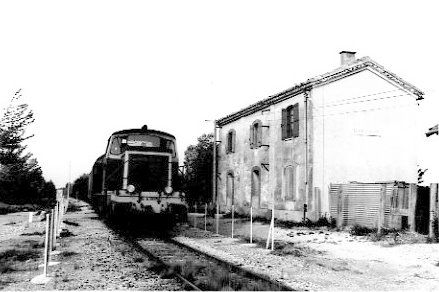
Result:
{"points": [[80, 187], [21, 178], [421, 173], [198, 175]]}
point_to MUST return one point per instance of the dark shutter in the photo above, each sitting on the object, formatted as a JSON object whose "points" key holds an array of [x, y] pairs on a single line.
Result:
{"points": [[228, 142], [284, 123], [233, 141], [251, 137], [296, 120], [259, 135]]}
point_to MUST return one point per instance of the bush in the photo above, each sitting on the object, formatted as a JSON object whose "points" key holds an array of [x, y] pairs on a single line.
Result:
{"points": [[359, 230], [321, 222]]}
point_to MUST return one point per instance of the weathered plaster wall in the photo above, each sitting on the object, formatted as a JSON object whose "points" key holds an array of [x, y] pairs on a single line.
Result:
{"points": [[365, 131], [276, 157], [360, 128]]}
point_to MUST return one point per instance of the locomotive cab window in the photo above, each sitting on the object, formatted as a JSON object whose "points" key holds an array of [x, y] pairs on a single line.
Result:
{"points": [[143, 141], [115, 146]]}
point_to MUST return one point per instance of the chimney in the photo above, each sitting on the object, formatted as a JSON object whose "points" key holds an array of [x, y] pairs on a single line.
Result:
{"points": [[347, 57]]}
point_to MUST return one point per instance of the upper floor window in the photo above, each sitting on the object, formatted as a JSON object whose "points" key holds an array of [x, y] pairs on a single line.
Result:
{"points": [[290, 122], [231, 141], [256, 134]]}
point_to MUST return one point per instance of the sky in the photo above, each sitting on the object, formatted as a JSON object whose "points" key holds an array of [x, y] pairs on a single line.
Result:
{"points": [[89, 68]]}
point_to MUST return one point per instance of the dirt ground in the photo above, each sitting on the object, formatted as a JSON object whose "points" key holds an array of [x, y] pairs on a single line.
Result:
{"points": [[92, 257], [325, 259]]}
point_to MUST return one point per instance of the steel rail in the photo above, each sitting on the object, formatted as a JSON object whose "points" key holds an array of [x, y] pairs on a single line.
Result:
{"points": [[157, 259], [234, 268]]}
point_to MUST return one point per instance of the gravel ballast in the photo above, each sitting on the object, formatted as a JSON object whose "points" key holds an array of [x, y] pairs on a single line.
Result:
{"points": [[324, 260], [92, 257]]}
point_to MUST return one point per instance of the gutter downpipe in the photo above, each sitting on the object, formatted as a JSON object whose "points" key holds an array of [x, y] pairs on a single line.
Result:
{"points": [[306, 95], [214, 195]]}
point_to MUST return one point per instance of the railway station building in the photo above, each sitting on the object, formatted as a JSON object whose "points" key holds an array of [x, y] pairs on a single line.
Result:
{"points": [[350, 130]]}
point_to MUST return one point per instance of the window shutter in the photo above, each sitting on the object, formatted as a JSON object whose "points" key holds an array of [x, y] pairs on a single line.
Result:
{"points": [[227, 144], [259, 135], [296, 120], [284, 123], [233, 141], [251, 137]]}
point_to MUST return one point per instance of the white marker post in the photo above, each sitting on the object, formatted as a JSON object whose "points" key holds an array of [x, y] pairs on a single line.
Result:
{"points": [[205, 217], [31, 216], [43, 279], [272, 229], [233, 218], [53, 229], [271, 232], [46, 245], [268, 237], [251, 224]]}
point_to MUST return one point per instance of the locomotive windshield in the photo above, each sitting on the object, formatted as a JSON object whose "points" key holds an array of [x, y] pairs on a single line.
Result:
{"points": [[148, 172], [141, 142]]}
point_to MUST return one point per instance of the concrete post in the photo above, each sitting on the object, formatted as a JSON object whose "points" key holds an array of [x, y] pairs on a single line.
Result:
{"points": [[381, 208], [413, 198], [46, 245], [340, 207], [433, 208], [51, 233]]}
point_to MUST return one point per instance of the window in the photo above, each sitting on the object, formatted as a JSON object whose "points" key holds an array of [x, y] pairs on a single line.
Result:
{"points": [[256, 134], [290, 122], [230, 189], [289, 183], [256, 187], [231, 139]]}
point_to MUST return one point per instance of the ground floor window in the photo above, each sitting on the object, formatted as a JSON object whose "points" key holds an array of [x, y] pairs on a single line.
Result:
{"points": [[230, 189], [256, 186], [289, 179]]}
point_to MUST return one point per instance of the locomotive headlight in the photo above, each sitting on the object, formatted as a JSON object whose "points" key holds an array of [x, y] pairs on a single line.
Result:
{"points": [[168, 190], [131, 188]]}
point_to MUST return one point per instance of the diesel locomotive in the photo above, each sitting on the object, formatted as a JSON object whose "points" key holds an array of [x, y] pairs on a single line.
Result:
{"points": [[138, 174]]}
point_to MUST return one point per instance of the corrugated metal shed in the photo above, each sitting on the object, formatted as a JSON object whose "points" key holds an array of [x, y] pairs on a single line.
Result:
{"points": [[360, 203]]}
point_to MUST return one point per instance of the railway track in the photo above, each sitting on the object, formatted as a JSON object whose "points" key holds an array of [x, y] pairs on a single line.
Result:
{"points": [[195, 269]]}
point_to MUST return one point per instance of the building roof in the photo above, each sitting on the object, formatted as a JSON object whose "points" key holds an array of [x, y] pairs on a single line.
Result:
{"points": [[339, 73]]}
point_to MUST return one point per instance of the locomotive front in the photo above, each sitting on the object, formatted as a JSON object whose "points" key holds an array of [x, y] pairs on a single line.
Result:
{"points": [[139, 174]]}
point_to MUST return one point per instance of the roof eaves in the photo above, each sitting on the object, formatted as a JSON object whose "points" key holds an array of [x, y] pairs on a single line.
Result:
{"points": [[272, 99], [340, 72]]}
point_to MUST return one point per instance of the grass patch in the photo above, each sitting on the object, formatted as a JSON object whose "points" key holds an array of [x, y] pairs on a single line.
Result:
{"points": [[73, 208], [66, 233], [359, 230], [213, 278], [33, 233], [19, 255], [71, 223], [139, 260], [282, 248], [11, 257], [68, 253], [330, 223]]}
